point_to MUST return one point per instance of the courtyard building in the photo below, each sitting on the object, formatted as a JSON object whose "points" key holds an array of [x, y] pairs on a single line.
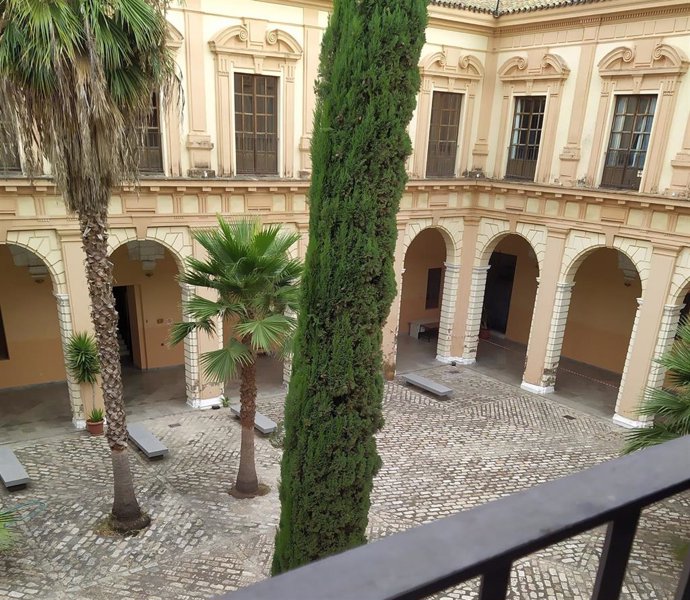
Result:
{"points": [[545, 222]]}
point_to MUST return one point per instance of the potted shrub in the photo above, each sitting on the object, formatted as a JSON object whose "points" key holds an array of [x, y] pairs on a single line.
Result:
{"points": [[83, 366], [94, 421]]}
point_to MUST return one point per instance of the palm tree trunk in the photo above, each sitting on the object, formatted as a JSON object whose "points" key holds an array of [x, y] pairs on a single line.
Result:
{"points": [[247, 481], [126, 513]]}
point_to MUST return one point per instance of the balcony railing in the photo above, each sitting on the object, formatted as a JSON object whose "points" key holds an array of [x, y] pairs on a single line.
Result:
{"points": [[486, 541]]}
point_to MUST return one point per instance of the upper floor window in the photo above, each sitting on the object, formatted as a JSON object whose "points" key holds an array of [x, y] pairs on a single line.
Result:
{"points": [[9, 158], [525, 137], [256, 124], [443, 134], [151, 159], [627, 149]]}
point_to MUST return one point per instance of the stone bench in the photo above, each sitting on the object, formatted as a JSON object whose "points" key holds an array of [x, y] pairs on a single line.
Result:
{"points": [[148, 443], [261, 422], [12, 473], [427, 384]]}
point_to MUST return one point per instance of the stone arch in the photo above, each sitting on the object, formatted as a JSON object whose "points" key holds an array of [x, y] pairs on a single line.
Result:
{"points": [[414, 228], [484, 254], [175, 239], [46, 246], [680, 282], [570, 267], [119, 237]]}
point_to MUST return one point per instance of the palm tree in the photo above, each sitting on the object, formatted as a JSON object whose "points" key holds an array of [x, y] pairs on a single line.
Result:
{"points": [[257, 291], [76, 79], [669, 406]]}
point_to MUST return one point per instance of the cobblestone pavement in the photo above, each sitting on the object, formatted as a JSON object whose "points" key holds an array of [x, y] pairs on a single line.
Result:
{"points": [[489, 440]]}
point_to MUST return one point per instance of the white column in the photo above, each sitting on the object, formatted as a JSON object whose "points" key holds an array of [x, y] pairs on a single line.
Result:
{"points": [[200, 392], [66, 329], [287, 359], [554, 346], [450, 294], [474, 315], [667, 333], [617, 417]]}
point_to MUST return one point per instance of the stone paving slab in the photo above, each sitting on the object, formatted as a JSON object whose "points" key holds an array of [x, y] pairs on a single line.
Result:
{"points": [[439, 456]]}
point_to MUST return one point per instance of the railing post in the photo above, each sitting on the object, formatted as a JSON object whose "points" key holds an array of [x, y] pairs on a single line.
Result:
{"points": [[614, 558]]}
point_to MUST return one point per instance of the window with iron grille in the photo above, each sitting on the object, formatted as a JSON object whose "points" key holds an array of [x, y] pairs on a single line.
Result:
{"points": [[9, 157], [151, 158], [256, 124], [627, 151], [443, 134], [525, 137], [4, 353]]}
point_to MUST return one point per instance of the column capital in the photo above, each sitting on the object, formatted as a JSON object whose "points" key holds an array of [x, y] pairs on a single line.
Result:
{"points": [[481, 269], [672, 309], [452, 267], [565, 285]]}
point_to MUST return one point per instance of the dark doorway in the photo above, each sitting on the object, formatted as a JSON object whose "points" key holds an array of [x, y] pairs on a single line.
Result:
{"points": [[124, 323], [499, 289]]}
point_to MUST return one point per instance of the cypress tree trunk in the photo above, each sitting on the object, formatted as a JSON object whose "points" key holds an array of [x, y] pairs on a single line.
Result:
{"points": [[126, 513], [366, 93]]}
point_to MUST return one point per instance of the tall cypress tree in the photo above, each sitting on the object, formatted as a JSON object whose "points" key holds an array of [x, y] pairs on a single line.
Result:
{"points": [[366, 93]]}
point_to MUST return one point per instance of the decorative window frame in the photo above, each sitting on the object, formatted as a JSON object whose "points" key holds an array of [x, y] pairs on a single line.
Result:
{"points": [[252, 48], [523, 77], [642, 69], [446, 71], [170, 117]]}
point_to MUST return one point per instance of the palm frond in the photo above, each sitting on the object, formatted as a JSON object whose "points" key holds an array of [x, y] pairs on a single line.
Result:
{"points": [[222, 365], [644, 437], [267, 334], [179, 331]]}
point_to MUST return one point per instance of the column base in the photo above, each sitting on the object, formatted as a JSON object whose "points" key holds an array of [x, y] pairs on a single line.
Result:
{"points": [[204, 403], [622, 421], [79, 424], [542, 390], [457, 360]]}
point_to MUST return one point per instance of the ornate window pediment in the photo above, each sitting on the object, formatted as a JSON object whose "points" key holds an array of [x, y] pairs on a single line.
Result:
{"points": [[625, 62], [517, 68], [274, 43], [465, 67], [175, 38]]}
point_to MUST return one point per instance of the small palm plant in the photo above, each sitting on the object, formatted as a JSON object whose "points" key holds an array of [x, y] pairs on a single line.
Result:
{"points": [[7, 521], [81, 358], [668, 406], [257, 291]]}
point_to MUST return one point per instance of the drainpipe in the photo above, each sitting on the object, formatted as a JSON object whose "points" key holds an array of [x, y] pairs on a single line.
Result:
{"points": [[495, 13]]}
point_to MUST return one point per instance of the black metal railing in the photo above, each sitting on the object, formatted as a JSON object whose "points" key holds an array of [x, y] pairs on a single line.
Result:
{"points": [[486, 541]]}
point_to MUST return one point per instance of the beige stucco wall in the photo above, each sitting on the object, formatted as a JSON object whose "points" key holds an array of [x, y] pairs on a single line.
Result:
{"points": [[29, 315]]}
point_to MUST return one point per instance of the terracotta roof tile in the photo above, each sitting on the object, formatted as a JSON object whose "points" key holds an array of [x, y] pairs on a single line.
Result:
{"points": [[506, 7]]}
